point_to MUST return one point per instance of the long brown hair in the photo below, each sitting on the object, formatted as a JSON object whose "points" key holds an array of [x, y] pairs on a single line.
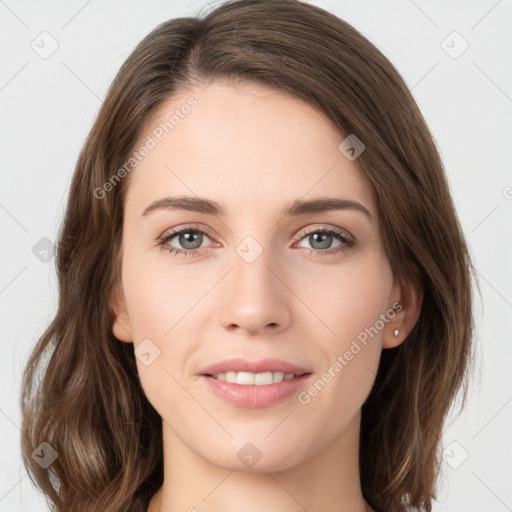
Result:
{"points": [[81, 392]]}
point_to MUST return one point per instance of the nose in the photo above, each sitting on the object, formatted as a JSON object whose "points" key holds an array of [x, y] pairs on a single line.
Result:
{"points": [[255, 296]]}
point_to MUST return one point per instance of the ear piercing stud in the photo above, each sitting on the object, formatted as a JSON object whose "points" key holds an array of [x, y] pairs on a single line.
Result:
{"points": [[396, 332]]}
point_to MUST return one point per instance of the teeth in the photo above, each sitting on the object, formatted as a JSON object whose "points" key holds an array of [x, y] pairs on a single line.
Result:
{"points": [[251, 379]]}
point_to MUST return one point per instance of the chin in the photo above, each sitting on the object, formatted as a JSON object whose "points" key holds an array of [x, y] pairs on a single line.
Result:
{"points": [[255, 457]]}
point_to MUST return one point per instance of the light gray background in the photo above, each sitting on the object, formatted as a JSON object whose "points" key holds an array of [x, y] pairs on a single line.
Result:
{"points": [[48, 106]]}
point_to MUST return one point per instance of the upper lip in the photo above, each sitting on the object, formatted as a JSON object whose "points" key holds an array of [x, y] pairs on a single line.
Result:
{"points": [[240, 364]]}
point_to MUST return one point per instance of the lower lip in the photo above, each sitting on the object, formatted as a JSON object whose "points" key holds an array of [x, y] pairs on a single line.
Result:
{"points": [[252, 396]]}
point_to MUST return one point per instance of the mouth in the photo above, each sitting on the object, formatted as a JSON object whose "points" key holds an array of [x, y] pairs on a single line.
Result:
{"points": [[251, 384]]}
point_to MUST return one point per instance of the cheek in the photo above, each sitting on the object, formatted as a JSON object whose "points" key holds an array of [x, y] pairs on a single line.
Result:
{"points": [[348, 299], [160, 323], [150, 307], [157, 295], [349, 304], [167, 307]]}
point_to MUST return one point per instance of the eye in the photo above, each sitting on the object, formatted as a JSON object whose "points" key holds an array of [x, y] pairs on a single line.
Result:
{"points": [[321, 239], [189, 237]]}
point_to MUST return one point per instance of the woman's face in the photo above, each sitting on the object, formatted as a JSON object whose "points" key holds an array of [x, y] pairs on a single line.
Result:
{"points": [[252, 280]]}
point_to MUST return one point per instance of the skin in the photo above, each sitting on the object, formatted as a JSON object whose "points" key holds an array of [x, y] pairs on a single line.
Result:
{"points": [[254, 150]]}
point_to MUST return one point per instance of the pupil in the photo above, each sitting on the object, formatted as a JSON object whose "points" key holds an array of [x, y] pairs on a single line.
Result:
{"points": [[190, 238], [325, 240]]}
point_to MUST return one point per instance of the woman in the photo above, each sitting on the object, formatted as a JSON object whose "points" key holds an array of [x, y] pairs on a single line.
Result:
{"points": [[265, 291]]}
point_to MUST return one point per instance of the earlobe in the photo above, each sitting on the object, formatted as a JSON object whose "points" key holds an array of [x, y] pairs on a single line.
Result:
{"points": [[121, 327], [406, 315]]}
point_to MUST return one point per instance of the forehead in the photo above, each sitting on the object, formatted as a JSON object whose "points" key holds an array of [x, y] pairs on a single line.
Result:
{"points": [[245, 146]]}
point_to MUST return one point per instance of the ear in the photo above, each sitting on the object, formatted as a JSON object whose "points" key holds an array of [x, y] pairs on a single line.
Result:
{"points": [[406, 301], [121, 326]]}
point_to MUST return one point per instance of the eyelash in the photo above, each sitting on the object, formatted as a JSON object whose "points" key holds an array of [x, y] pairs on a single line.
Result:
{"points": [[340, 235]]}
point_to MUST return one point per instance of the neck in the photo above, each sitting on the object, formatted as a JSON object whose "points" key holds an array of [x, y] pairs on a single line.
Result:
{"points": [[327, 481]]}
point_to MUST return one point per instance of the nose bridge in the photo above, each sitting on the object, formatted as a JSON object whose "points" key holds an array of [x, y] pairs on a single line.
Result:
{"points": [[253, 296], [253, 266]]}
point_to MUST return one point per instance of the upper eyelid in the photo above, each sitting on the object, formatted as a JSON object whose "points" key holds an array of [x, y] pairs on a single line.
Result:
{"points": [[306, 231], [172, 232]]}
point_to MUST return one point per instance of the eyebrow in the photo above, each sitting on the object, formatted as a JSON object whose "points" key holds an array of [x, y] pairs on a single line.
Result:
{"points": [[295, 209]]}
